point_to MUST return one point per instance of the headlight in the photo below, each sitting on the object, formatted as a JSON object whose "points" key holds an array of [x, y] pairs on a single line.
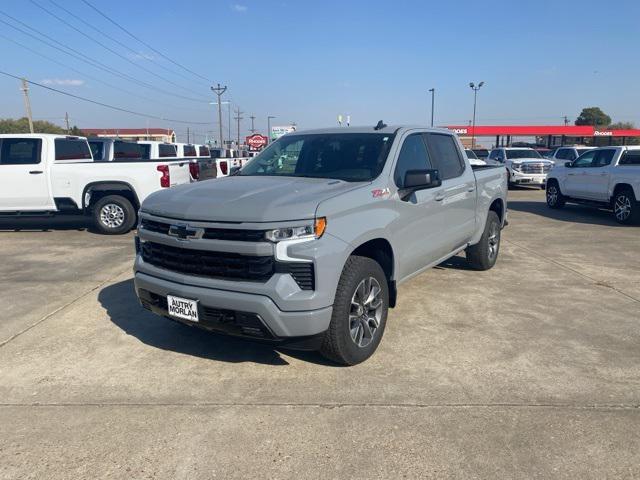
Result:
{"points": [[310, 231], [517, 166]]}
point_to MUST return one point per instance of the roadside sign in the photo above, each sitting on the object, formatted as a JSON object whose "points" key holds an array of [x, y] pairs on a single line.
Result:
{"points": [[277, 132], [256, 141]]}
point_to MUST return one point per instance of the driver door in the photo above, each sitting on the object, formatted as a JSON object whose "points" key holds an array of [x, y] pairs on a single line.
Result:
{"points": [[576, 183]]}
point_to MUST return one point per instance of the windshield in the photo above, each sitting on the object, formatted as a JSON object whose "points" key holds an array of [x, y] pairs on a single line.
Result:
{"points": [[481, 152], [353, 157], [582, 150], [471, 154], [511, 154]]}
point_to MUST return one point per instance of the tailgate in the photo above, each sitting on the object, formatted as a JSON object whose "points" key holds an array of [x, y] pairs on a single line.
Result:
{"points": [[179, 173]]}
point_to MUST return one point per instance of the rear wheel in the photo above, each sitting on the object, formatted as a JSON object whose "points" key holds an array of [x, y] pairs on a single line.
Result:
{"points": [[359, 312], [483, 255], [555, 199], [625, 206], [113, 215]]}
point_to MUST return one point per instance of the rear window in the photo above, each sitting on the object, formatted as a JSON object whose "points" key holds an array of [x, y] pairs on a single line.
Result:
{"points": [[97, 150], [203, 151], [126, 151], [190, 151], [166, 151], [20, 151], [630, 157], [71, 149], [525, 153], [145, 151]]}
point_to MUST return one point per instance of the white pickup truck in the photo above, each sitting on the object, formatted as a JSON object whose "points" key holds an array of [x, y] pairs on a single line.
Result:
{"points": [[606, 177], [44, 174]]}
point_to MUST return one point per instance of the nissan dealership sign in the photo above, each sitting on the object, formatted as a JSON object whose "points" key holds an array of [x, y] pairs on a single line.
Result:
{"points": [[257, 141]]}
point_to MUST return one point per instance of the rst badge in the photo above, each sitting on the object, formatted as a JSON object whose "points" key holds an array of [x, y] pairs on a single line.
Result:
{"points": [[380, 193]]}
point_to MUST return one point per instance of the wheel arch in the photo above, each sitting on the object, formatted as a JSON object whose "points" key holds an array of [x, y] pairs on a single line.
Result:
{"points": [[97, 190], [620, 186], [498, 206], [380, 250]]}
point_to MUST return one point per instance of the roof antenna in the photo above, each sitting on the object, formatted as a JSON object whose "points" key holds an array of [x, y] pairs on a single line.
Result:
{"points": [[380, 125]]}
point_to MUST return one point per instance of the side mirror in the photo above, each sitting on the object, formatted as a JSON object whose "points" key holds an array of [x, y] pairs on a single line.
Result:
{"points": [[234, 171], [568, 164], [415, 180]]}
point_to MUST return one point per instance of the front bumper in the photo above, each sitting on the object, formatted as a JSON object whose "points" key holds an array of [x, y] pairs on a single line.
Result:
{"points": [[528, 178], [244, 314]]}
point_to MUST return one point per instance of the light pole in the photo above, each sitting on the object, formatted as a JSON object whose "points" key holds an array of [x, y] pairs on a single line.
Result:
{"points": [[433, 96], [228, 104], [475, 98], [269, 128]]}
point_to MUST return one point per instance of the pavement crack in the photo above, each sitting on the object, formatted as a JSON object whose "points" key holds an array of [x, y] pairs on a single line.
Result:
{"points": [[59, 309], [595, 281]]}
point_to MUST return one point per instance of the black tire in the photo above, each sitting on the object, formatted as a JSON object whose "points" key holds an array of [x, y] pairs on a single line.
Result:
{"points": [[338, 344], [113, 215], [626, 210], [555, 198], [483, 255]]}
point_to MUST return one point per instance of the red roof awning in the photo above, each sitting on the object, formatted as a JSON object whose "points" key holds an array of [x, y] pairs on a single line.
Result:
{"points": [[542, 130]]}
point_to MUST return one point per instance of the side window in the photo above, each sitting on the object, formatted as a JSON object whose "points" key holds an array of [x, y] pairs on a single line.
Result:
{"points": [[561, 153], [67, 149], [585, 160], [126, 151], [20, 151], [445, 155], [413, 156], [145, 151], [97, 150], [603, 158], [630, 157]]}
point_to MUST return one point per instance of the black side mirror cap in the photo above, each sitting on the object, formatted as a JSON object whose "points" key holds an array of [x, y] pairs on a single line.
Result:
{"points": [[415, 180]]}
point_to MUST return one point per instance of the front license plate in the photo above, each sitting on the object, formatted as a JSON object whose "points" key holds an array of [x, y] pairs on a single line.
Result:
{"points": [[183, 308]]}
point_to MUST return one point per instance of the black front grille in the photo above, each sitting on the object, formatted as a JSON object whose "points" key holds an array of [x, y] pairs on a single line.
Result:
{"points": [[231, 234], [209, 264]]}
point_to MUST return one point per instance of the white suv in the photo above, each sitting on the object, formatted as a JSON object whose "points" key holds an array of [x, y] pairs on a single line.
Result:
{"points": [[525, 166], [564, 154], [606, 177]]}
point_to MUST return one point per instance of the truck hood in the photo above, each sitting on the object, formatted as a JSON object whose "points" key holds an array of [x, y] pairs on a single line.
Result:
{"points": [[531, 160], [246, 199]]}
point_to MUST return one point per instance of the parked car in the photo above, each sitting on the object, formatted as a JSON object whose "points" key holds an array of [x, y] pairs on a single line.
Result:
{"points": [[207, 165], [563, 154], [44, 174], [159, 150], [114, 150], [473, 159], [525, 166], [200, 166], [606, 177], [305, 247]]}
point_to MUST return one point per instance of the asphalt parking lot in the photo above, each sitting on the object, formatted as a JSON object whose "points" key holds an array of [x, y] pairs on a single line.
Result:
{"points": [[529, 370]]}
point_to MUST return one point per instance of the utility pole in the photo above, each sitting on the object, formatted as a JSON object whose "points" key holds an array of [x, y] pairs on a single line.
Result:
{"points": [[66, 121], [188, 135], [238, 118], [219, 91], [27, 103], [253, 130], [566, 120], [433, 96]]}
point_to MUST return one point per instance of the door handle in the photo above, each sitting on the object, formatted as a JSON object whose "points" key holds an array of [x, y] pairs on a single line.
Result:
{"points": [[35, 172], [439, 196], [603, 174]]}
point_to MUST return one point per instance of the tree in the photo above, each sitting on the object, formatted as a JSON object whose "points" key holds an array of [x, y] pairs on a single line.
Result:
{"points": [[594, 117], [21, 125]]}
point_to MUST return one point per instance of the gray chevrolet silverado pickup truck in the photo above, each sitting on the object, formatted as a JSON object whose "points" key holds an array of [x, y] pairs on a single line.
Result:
{"points": [[306, 246]]}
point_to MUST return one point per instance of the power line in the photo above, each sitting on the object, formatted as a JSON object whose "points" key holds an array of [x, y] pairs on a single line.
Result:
{"points": [[106, 105], [94, 63], [106, 47], [143, 42], [96, 79]]}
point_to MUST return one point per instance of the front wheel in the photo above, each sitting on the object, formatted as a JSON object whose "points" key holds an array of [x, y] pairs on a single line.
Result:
{"points": [[113, 215], [625, 206], [555, 199], [483, 255], [359, 312]]}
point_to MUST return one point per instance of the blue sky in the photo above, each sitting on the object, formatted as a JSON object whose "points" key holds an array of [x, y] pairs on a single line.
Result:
{"points": [[307, 61]]}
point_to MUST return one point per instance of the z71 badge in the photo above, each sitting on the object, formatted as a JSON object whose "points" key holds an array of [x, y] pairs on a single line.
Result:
{"points": [[380, 193]]}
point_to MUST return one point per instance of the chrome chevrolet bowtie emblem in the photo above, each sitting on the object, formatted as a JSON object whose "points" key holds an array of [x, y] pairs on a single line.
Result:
{"points": [[185, 232]]}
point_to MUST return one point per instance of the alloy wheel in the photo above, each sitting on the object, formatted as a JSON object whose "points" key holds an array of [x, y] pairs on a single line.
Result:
{"points": [[365, 314], [493, 240], [552, 195], [112, 215], [622, 207]]}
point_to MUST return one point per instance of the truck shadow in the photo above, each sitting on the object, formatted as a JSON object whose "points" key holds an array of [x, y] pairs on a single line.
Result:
{"points": [[569, 213], [46, 224], [121, 304]]}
